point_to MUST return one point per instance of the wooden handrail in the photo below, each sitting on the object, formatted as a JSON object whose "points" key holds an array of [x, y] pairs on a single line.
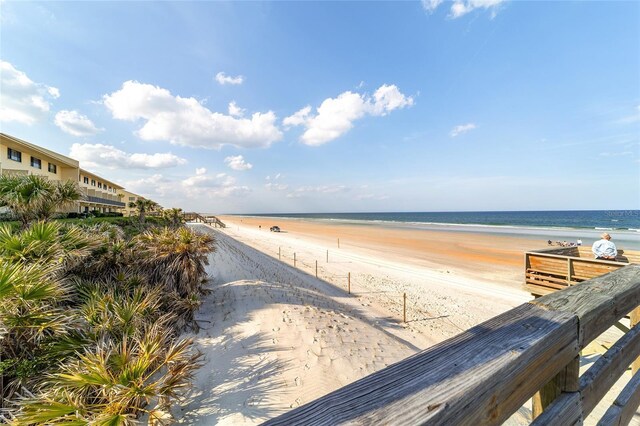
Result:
{"points": [[204, 219], [564, 257], [485, 374]]}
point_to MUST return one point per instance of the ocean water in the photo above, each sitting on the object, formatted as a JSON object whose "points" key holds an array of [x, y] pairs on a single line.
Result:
{"points": [[623, 225], [596, 219]]}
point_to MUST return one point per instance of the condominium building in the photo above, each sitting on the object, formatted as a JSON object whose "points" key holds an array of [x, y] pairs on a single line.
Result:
{"points": [[130, 197], [102, 195], [23, 158]]}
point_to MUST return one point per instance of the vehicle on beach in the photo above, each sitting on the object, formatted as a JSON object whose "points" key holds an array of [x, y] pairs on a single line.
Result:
{"points": [[274, 229]]}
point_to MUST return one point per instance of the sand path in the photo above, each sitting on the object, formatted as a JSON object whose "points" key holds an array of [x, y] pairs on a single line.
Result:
{"points": [[275, 337]]}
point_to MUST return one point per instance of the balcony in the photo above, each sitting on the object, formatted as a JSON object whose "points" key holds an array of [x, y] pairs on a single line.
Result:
{"points": [[98, 200]]}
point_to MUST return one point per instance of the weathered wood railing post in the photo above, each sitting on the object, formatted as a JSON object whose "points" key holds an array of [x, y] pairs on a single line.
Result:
{"points": [[404, 308], [634, 319], [569, 270], [567, 380]]}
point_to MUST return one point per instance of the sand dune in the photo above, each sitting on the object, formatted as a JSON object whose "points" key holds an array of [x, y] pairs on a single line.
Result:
{"points": [[275, 337]]}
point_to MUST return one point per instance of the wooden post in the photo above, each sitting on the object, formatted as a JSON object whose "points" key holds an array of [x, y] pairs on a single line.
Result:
{"points": [[634, 318], [279, 253], [404, 308], [349, 282], [294, 260], [569, 271], [327, 256], [338, 242], [316, 269], [567, 380]]}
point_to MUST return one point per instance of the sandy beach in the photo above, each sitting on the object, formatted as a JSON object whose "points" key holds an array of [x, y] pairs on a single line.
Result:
{"points": [[276, 337], [494, 258]]}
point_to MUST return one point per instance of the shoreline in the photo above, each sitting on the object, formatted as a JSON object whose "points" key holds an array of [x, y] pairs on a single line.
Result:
{"points": [[479, 256], [283, 332], [625, 239], [279, 334]]}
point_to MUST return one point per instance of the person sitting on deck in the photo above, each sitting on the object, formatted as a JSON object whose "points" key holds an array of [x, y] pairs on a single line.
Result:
{"points": [[604, 249]]}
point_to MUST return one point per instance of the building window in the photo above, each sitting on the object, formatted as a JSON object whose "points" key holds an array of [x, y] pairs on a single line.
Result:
{"points": [[93, 182], [86, 180], [36, 163], [99, 184], [132, 198], [53, 168], [14, 155]]}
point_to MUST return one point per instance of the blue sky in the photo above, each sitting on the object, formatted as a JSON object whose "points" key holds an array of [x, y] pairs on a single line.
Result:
{"points": [[251, 107]]}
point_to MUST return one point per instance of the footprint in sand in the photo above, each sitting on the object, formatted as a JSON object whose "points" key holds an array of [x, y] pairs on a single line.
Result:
{"points": [[298, 381]]}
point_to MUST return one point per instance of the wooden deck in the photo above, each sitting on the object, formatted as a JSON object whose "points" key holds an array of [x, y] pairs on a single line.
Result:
{"points": [[553, 269], [209, 220], [484, 375]]}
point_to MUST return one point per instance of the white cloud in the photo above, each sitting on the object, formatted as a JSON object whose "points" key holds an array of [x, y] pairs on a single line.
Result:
{"points": [[321, 189], [616, 154], [238, 163], [186, 122], [235, 110], [75, 124], [98, 155], [197, 186], [210, 185], [462, 7], [335, 116], [633, 118], [298, 118], [23, 100], [273, 186], [222, 78], [461, 129], [431, 5]]}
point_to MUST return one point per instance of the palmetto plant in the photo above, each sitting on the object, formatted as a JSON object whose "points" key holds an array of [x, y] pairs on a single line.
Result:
{"points": [[116, 382], [89, 322], [176, 259], [31, 316], [173, 216], [48, 242], [120, 308], [34, 197]]}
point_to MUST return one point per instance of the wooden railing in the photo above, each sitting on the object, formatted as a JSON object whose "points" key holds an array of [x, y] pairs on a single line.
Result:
{"points": [[197, 217], [487, 373], [553, 269]]}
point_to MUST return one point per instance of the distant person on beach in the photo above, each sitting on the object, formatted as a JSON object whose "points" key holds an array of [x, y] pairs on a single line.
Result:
{"points": [[604, 249], [579, 242]]}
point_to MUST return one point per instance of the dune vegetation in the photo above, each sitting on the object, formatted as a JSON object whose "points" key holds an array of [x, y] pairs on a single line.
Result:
{"points": [[91, 315]]}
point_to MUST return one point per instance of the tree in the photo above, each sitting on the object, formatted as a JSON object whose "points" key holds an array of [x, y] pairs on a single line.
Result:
{"points": [[34, 197], [143, 206], [173, 217]]}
